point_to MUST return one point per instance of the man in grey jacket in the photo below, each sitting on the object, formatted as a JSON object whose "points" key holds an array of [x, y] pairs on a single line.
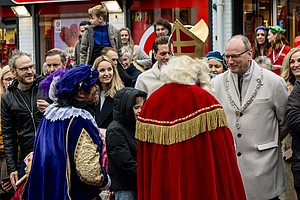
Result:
{"points": [[254, 100], [82, 27]]}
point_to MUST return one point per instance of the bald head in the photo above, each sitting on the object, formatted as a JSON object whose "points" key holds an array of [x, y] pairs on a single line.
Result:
{"points": [[238, 54]]}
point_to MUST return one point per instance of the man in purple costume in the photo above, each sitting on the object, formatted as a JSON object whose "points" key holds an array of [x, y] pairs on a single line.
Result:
{"points": [[67, 151]]}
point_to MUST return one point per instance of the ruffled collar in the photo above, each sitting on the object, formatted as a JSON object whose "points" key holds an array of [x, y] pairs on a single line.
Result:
{"points": [[65, 109]]}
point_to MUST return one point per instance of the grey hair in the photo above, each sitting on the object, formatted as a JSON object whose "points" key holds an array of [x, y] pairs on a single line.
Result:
{"points": [[244, 39], [127, 52], [264, 60], [17, 54]]}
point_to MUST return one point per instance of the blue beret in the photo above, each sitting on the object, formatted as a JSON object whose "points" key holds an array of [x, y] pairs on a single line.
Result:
{"points": [[261, 28], [217, 55], [78, 78]]}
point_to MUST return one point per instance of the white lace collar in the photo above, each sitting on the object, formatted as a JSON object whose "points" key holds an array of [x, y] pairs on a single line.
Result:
{"points": [[53, 113]]}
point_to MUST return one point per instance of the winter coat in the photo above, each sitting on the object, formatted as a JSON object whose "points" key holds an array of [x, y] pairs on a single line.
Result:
{"points": [[141, 57], [121, 143], [293, 118], [77, 51], [20, 120], [133, 72], [259, 130], [87, 42]]}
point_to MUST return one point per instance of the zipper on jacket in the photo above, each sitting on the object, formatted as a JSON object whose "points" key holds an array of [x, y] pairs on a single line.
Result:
{"points": [[31, 111]]}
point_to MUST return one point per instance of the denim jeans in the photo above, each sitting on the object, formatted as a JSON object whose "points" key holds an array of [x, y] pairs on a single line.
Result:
{"points": [[125, 195]]}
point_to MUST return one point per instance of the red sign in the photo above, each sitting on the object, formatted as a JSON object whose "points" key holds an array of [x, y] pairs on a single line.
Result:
{"points": [[39, 1]]}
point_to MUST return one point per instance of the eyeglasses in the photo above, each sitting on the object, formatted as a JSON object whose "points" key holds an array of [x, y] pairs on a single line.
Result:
{"points": [[234, 56], [25, 69]]}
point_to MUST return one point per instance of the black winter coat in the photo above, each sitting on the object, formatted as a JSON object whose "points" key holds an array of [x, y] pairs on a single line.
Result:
{"points": [[121, 144], [293, 119], [20, 119]]}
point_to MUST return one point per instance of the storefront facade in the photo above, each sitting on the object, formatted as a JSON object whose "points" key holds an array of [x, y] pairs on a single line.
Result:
{"points": [[8, 32], [242, 17], [54, 24], [285, 13], [145, 13], [51, 24]]}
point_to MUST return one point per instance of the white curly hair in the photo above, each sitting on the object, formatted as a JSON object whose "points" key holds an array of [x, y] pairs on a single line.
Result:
{"points": [[187, 71]]}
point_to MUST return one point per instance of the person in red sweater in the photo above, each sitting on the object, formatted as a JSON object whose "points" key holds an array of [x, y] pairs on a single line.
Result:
{"points": [[279, 47]]}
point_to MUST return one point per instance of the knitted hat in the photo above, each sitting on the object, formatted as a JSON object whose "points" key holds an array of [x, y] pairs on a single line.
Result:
{"points": [[217, 55], [78, 78], [277, 29]]}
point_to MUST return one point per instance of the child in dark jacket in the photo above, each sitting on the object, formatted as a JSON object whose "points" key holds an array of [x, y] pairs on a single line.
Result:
{"points": [[121, 143]]}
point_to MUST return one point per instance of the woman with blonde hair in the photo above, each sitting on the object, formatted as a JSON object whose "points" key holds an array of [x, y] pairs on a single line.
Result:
{"points": [[290, 72], [6, 78], [109, 83], [139, 55]]}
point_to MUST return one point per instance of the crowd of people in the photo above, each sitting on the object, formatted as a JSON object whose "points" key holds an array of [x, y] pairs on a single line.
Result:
{"points": [[121, 124]]}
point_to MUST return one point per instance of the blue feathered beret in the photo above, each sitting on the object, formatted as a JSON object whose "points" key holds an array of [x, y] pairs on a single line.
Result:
{"points": [[217, 55], [261, 28], [78, 78]]}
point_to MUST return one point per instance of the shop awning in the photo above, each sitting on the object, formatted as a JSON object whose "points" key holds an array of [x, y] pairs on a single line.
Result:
{"points": [[39, 1]]}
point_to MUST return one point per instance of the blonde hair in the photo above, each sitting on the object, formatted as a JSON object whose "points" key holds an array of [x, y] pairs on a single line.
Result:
{"points": [[4, 71], [188, 71], [130, 40], [286, 72], [116, 82], [99, 11]]}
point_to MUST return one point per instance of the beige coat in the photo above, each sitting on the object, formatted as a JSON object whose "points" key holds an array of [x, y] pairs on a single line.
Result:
{"points": [[261, 127], [149, 81]]}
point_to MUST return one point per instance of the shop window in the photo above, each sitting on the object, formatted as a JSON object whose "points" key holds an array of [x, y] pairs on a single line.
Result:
{"points": [[144, 19], [260, 12], [8, 42], [292, 20], [256, 13]]}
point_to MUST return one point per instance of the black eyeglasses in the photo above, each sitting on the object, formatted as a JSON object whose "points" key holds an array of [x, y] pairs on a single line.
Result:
{"points": [[25, 69], [234, 56]]}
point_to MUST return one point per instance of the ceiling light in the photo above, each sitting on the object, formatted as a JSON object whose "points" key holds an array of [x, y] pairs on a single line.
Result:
{"points": [[112, 6], [20, 11]]}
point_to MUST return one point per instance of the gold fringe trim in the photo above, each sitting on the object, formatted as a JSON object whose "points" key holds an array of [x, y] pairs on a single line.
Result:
{"points": [[167, 135]]}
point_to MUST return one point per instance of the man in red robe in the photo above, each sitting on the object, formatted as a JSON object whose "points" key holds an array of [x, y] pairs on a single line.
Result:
{"points": [[185, 149]]}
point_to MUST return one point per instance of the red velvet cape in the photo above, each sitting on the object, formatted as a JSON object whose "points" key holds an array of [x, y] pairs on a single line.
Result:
{"points": [[200, 165]]}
